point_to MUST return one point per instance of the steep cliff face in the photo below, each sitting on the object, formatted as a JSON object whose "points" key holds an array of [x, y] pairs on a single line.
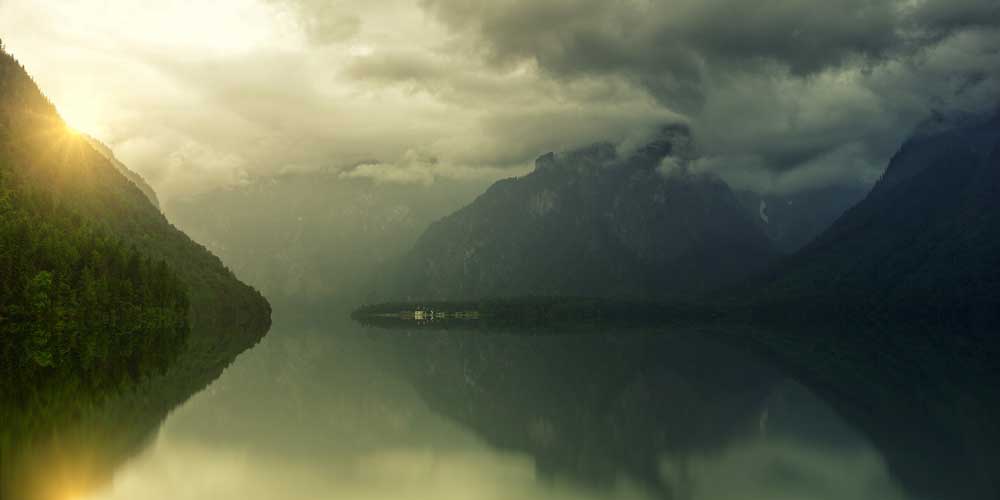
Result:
{"points": [[591, 222]]}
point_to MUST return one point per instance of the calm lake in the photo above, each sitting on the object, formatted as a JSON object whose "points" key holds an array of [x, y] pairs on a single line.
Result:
{"points": [[337, 410]]}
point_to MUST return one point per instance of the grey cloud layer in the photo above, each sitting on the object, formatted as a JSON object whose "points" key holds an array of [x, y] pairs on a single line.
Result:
{"points": [[781, 95], [684, 39], [770, 87], [660, 42]]}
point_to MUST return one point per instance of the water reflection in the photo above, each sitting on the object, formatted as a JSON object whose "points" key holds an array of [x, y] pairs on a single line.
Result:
{"points": [[344, 412], [62, 443]]}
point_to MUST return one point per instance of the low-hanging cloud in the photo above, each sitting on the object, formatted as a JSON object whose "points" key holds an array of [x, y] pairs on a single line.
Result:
{"points": [[780, 96], [779, 85], [680, 40]]}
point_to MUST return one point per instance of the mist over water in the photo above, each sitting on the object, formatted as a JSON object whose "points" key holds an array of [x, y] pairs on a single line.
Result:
{"points": [[339, 411]]}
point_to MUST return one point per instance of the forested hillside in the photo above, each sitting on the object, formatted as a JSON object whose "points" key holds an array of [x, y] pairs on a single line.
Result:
{"points": [[96, 287], [76, 303]]}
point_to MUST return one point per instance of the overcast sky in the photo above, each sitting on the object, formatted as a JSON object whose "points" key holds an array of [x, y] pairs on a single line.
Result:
{"points": [[781, 94]]}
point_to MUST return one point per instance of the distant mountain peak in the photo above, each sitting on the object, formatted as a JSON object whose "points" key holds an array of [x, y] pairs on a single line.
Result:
{"points": [[669, 141], [594, 222], [590, 157], [939, 139], [941, 121]]}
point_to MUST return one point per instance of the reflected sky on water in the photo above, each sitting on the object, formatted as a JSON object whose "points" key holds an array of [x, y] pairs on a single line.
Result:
{"points": [[347, 412]]}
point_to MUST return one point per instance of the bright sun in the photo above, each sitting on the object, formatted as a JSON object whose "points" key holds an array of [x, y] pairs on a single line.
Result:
{"points": [[79, 119]]}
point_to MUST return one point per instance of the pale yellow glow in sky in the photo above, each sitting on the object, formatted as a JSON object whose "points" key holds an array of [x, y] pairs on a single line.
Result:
{"points": [[197, 95], [85, 54], [80, 116], [202, 95]]}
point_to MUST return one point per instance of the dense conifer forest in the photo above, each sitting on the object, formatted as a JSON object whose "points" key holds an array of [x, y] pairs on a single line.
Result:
{"points": [[77, 303], [99, 293], [78, 307]]}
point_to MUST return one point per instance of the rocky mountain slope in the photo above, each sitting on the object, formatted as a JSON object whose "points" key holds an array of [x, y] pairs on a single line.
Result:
{"points": [[591, 222], [925, 242]]}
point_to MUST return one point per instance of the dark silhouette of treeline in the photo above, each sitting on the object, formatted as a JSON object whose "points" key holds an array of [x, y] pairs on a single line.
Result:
{"points": [[523, 314]]}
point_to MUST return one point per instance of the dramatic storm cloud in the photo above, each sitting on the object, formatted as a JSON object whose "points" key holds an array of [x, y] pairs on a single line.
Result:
{"points": [[781, 95]]}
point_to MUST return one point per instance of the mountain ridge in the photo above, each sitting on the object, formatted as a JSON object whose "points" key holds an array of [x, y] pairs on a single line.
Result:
{"points": [[129, 174], [924, 242], [591, 222]]}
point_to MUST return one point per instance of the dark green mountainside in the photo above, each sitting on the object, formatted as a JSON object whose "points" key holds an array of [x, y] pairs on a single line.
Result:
{"points": [[98, 291]]}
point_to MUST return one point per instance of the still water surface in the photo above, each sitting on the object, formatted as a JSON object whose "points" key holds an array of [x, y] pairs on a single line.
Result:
{"points": [[341, 411]]}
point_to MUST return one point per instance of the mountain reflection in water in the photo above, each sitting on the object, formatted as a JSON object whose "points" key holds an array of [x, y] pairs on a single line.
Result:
{"points": [[341, 411]]}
